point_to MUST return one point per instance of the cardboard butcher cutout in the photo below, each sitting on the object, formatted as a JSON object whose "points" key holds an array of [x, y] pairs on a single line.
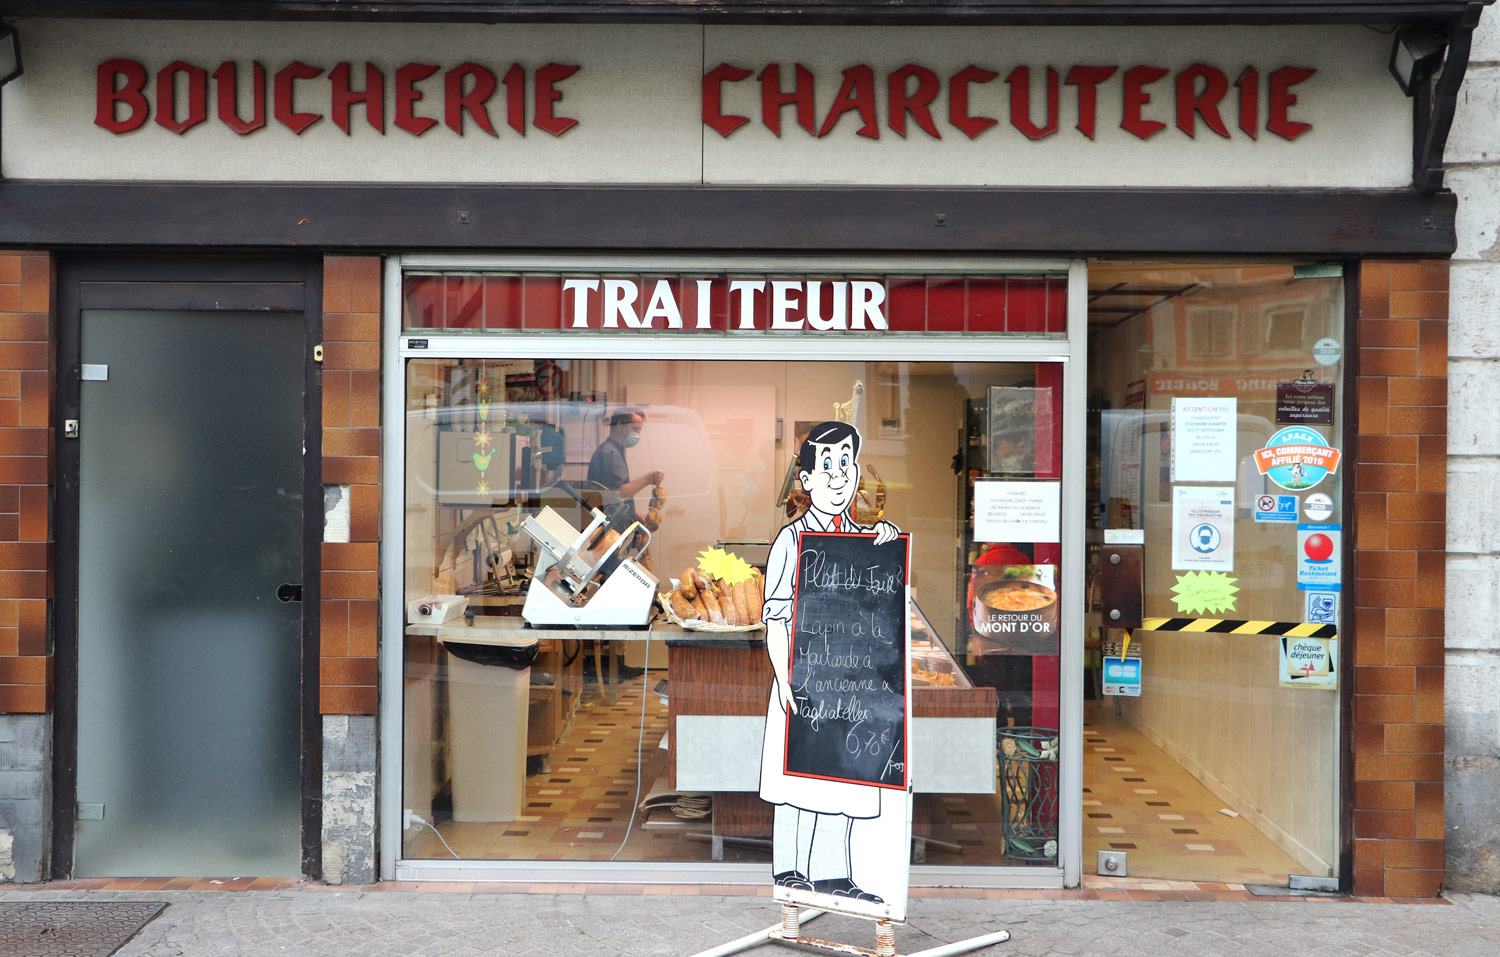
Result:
{"points": [[835, 757]]}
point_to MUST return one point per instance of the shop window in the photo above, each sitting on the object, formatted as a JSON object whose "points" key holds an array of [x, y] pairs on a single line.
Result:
{"points": [[1218, 449], [632, 744]]}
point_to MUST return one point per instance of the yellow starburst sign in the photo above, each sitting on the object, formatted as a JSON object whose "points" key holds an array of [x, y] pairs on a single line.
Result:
{"points": [[717, 563]]}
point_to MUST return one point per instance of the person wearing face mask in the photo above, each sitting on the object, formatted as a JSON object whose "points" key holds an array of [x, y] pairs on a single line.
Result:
{"points": [[608, 467]]}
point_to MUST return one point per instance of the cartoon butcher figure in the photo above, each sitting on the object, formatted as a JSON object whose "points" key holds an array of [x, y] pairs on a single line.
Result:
{"points": [[814, 816]]}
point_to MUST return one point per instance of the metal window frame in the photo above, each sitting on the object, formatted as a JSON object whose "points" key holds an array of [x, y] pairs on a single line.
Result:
{"points": [[1070, 352]]}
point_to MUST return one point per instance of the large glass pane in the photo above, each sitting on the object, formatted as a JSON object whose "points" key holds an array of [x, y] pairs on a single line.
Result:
{"points": [[190, 520], [636, 744], [1215, 417]]}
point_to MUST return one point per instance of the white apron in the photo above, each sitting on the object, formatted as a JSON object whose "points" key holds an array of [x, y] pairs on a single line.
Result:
{"points": [[776, 786]]}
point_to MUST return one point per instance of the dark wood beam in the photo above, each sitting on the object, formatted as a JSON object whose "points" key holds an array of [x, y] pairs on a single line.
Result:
{"points": [[1333, 223], [752, 11]]}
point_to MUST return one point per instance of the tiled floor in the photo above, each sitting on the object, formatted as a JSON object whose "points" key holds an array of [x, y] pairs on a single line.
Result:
{"points": [[1139, 800], [580, 809], [1136, 799]]}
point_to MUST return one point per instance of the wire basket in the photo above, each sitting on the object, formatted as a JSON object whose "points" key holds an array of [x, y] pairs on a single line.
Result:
{"points": [[1028, 793]]}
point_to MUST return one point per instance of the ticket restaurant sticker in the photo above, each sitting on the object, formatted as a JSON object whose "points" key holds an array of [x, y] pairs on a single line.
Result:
{"points": [[1309, 663], [1296, 458], [1319, 557]]}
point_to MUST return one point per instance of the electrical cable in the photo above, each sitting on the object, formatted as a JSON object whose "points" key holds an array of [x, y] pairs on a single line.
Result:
{"points": [[416, 819], [640, 767]]}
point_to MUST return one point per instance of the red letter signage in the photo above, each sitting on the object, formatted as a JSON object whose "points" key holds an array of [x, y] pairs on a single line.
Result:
{"points": [[372, 96], [916, 103], [166, 96], [228, 95], [108, 94], [1205, 103], [713, 99], [286, 112], [1136, 97], [407, 95], [958, 101], [547, 94], [856, 93], [772, 99], [1087, 79], [1020, 103], [1282, 99]]}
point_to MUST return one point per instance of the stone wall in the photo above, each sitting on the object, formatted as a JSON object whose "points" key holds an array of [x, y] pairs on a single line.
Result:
{"points": [[349, 756], [1472, 619], [25, 795]]}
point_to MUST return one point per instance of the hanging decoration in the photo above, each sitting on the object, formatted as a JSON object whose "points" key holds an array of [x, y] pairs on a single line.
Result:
{"points": [[484, 441]]}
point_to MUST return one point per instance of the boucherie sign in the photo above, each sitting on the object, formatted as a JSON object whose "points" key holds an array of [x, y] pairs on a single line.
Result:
{"points": [[917, 100]]}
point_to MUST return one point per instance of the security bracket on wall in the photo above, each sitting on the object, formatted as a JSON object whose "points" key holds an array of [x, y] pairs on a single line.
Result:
{"points": [[1435, 102]]}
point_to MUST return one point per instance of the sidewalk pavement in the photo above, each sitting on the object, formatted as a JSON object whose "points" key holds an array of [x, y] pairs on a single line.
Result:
{"points": [[306, 921]]}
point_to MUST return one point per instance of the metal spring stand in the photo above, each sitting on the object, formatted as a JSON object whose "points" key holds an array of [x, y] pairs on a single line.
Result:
{"points": [[789, 931]]}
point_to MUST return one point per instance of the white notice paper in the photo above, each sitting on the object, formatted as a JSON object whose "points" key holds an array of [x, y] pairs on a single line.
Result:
{"points": [[1202, 529], [1203, 439], [1017, 511]]}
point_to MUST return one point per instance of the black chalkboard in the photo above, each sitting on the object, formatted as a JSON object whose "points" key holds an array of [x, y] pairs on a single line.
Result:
{"points": [[849, 660]]}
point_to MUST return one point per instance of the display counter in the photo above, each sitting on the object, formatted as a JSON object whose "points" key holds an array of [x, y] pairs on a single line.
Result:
{"points": [[716, 701], [717, 713], [717, 710]]}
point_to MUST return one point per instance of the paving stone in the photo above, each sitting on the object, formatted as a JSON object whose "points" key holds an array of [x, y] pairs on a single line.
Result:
{"points": [[414, 924]]}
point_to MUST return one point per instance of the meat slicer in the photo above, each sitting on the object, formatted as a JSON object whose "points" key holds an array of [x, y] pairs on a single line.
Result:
{"points": [[588, 578]]}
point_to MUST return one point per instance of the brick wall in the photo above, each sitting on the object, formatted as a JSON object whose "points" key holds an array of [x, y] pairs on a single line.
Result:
{"points": [[1401, 498], [349, 611], [27, 361]]}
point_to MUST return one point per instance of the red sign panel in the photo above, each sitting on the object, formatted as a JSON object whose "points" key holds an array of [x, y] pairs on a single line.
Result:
{"points": [[736, 304]]}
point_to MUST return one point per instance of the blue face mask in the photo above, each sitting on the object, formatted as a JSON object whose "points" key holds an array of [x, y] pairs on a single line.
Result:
{"points": [[632, 439]]}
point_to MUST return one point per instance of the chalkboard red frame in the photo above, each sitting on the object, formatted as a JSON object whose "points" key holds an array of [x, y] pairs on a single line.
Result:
{"points": [[906, 709]]}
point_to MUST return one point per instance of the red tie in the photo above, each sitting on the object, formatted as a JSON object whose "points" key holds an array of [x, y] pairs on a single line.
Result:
{"points": [[837, 521]]}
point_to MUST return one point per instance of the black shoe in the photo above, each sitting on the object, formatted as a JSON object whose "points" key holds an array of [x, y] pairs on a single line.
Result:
{"points": [[626, 673], [844, 887], [793, 879]]}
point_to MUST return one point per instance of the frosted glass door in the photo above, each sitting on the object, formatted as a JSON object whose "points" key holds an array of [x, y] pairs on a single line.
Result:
{"points": [[190, 520]]}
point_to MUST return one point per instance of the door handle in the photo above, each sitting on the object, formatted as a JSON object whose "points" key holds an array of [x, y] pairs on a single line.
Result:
{"points": [[291, 591], [1121, 575]]}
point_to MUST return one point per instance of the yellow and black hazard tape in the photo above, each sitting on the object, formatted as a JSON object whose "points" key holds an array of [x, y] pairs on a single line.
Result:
{"points": [[1230, 626]]}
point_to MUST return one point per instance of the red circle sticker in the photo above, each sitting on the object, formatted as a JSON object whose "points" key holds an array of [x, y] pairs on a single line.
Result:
{"points": [[548, 378], [1318, 547]]}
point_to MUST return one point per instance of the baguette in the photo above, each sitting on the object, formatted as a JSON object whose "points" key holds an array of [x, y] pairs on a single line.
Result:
{"points": [[688, 588], [726, 602], [741, 603], [681, 607], [715, 611], [753, 599], [699, 581]]}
